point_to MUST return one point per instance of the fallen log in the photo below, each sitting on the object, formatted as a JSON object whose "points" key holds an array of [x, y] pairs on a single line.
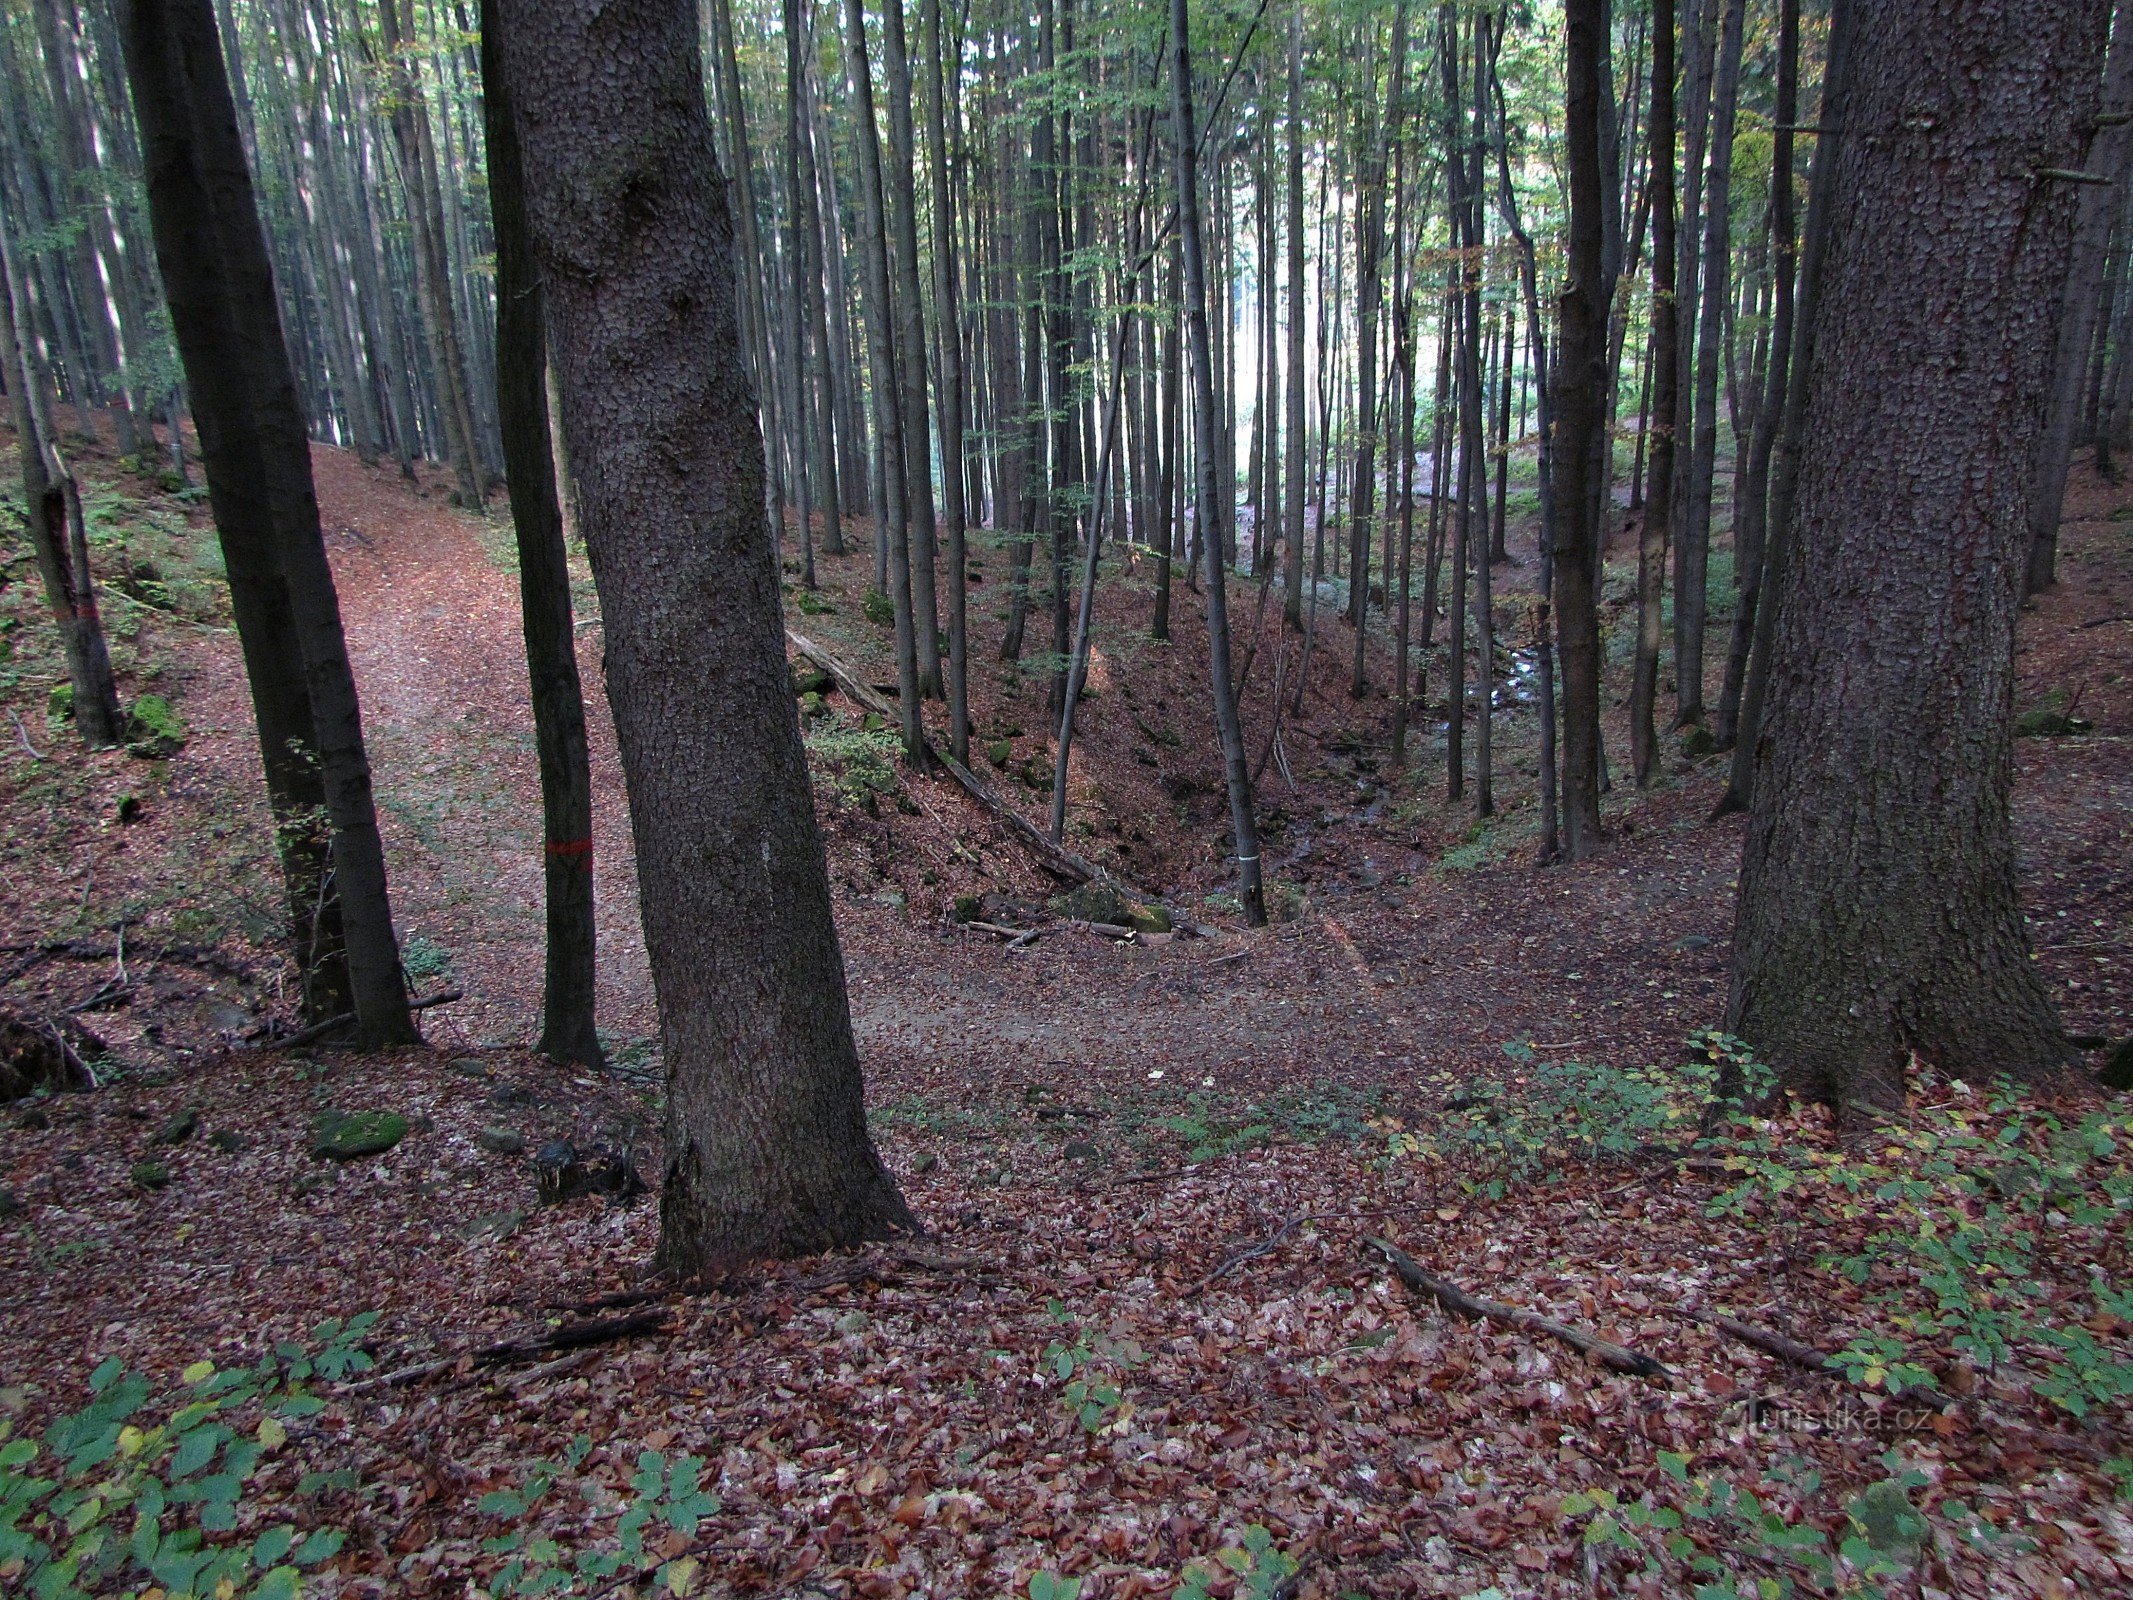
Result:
{"points": [[1619, 1358], [1808, 1358]]}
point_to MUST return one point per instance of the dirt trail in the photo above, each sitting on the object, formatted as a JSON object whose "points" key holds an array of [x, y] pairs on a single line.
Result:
{"points": [[1395, 965]]}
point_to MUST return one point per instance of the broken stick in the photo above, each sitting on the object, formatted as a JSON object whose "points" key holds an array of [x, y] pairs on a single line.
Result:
{"points": [[1807, 1357], [1619, 1358]]}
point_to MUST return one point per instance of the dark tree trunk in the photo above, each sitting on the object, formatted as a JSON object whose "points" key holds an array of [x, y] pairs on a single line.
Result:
{"points": [[1209, 513], [1293, 506], [1580, 418], [568, 1033], [432, 272], [1665, 406], [767, 1146], [1752, 522], [2084, 295], [58, 535], [1879, 911], [220, 289]]}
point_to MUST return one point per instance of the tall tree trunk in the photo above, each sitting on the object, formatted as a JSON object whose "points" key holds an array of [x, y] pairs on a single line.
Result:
{"points": [[1880, 915], [2107, 153], [895, 540], [1751, 524], [1209, 513], [220, 289], [1665, 407], [900, 180], [1295, 466], [1692, 543], [948, 324], [1580, 402], [568, 1033], [767, 1151], [52, 508], [409, 121]]}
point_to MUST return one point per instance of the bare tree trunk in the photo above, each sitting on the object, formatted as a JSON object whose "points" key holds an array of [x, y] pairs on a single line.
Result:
{"points": [[948, 324], [1581, 393], [1665, 406], [52, 508], [767, 1151], [568, 1033], [220, 289], [1209, 512], [2107, 153], [1880, 916]]}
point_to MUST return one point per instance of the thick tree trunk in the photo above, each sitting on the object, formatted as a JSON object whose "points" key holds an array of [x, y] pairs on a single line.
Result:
{"points": [[568, 1033], [1580, 417], [1879, 910], [220, 288], [767, 1150]]}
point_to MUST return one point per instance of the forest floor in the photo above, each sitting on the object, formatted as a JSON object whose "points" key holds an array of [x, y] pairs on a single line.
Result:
{"points": [[1089, 1129]]}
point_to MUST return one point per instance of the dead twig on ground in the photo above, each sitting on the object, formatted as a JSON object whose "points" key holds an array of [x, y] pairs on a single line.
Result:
{"points": [[1619, 1358], [572, 1336], [1805, 1356]]}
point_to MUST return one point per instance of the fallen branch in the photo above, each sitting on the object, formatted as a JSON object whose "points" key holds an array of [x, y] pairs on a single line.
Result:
{"points": [[2097, 622], [1807, 1357], [1232, 1263], [1619, 1358], [570, 1336], [1054, 858]]}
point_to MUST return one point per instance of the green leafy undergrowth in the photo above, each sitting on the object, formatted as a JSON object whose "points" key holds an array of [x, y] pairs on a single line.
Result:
{"points": [[668, 1499], [1977, 1233], [124, 1495]]}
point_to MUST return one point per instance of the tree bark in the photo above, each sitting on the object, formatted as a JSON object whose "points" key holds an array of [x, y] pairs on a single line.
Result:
{"points": [[1580, 418], [1209, 512], [220, 289], [1879, 914], [568, 1033], [1665, 405], [767, 1145], [2106, 156]]}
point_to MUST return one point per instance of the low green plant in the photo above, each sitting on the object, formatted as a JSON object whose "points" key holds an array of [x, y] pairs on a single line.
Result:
{"points": [[1260, 1566], [669, 1495], [1092, 1370], [424, 960], [858, 764], [111, 1498]]}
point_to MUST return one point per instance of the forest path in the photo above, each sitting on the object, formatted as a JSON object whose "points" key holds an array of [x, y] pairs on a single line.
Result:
{"points": [[1397, 969], [1374, 981]]}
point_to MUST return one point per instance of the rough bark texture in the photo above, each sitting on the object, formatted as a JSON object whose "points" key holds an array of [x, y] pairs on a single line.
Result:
{"points": [[767, 1146], [568, 1032], [220, 289], [1878, 908], [1666, 372], [1580, 401]]}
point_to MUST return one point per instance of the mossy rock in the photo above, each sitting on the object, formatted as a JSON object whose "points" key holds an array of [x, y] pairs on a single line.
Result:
{"points": [[812, 706], [878, 608], [965, 909], [1697, 742], [153, 729], [1095, 901], [179, 1128], [1000, 752], [1149, 919], [809, 679], [151, 1175], [352, 1135], [59, 704], [1037, 772]]}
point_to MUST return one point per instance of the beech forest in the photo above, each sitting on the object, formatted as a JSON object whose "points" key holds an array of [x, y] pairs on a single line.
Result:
{"points": [[1066, 799]]}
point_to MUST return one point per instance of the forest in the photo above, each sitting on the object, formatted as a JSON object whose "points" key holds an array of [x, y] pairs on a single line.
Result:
{"points": [[1066, 799]]}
